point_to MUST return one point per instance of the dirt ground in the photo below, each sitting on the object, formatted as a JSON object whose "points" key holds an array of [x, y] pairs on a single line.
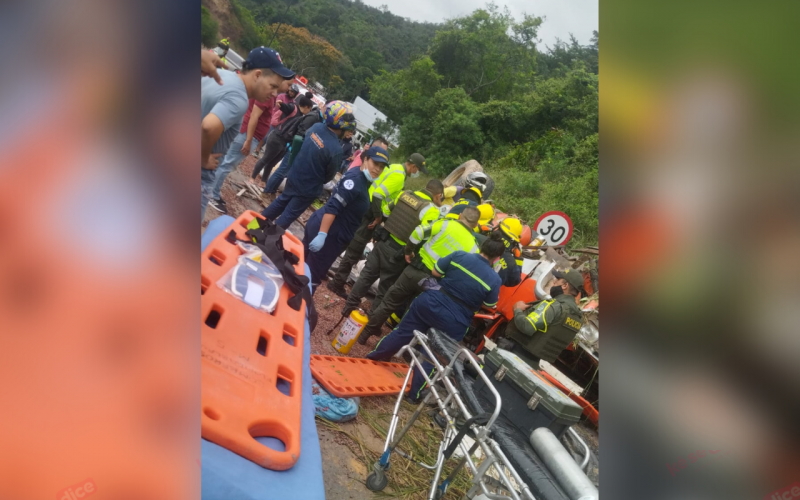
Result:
{"points": [[349, 449]]}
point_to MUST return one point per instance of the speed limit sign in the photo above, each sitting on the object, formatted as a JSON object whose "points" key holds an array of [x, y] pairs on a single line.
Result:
{"points": [[554, 227]]}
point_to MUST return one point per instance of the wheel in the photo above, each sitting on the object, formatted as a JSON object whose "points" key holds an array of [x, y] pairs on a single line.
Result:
{"points": [[487, 193], [376, 481]]}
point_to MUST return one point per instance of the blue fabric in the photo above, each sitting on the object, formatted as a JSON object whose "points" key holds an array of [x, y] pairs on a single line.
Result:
{"points": [[227, 476], [278, 175], [458, 283], [317, 161], [349, 202], [287, 208], [231, 160], [432, 309], [331, 408]]}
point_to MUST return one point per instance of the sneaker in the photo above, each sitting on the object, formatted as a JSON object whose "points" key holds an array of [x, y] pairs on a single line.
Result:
{"points": [[219, 205], [338, 290]]}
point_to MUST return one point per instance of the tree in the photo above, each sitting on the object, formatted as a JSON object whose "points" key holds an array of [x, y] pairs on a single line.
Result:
{"points": [[477, 53], [208, 28], [306, 54]]}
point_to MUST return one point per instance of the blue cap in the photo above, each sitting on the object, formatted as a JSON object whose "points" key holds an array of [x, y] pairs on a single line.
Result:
{"points": [[264, 58], [378, 154]]}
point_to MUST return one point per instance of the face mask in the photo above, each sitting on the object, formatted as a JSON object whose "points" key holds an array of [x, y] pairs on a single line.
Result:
{"points": [[555, 291], [415, 174], [366, 174]]}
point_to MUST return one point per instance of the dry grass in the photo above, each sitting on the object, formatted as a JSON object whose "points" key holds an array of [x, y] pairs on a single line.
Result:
{"points": [[407, 480]]}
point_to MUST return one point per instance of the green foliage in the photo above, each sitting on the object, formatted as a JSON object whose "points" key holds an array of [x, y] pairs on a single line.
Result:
{"points": [[252, 36], [208, 28], [371, 39]]}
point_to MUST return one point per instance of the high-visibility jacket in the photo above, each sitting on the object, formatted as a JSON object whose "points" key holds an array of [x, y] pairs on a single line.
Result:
{"points": [[387, 186], [424, 215], [442, 238]]}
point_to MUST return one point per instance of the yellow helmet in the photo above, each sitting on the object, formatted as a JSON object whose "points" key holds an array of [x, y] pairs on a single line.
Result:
{"points": [[474, 190], [511, 227]]}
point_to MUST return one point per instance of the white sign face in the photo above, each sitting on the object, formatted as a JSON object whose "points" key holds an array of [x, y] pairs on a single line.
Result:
{"points": [[554, 227]]}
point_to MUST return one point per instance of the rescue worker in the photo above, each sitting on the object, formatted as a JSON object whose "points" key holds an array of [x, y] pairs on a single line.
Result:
{"points": [[331, 228], [468, 282], [313, 116], [545, 328], [315, 164], [470, 197], [387, 259], [384, 189], [509, 267], [426, 245]]}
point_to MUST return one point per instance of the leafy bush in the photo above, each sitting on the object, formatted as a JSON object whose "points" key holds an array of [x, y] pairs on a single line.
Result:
{"points": [[208, 28]]}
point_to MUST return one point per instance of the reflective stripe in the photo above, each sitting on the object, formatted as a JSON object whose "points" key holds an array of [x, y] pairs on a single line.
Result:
{"points": [[472, 275], [429, 245], [544, 318], [490, 305], [424, 211], [341, 200], [438, 269]]}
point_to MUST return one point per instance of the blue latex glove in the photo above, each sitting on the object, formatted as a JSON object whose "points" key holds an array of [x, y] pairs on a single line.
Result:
{"points": [[318, 241]]}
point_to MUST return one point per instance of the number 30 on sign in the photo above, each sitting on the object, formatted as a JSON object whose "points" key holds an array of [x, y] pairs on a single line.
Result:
{"points": [[554, 227]]}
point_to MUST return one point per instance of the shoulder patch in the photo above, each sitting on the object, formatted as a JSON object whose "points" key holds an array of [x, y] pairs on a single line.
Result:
{"points": [[572, 324], [348, 184], [317, 140]]}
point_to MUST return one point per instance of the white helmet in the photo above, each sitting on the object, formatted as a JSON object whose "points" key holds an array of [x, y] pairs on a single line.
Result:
{"points": [[477, 180]]}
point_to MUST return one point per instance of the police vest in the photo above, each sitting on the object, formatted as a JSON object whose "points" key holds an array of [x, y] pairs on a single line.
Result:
{"points": [[559, 332], [407, 214], [452, 236]]}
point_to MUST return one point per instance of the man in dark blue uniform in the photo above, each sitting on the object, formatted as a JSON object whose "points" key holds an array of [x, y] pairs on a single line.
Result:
{"points": [[468, 282], [332, 227], [316, 163]]}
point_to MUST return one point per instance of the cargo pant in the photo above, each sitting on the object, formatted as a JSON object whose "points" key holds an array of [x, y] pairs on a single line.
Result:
{"points": [[354, 252], [386, 261], [406, 287], [432, 309]]}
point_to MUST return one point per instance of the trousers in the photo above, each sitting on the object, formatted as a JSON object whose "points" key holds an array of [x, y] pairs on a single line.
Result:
{"points": [[432, 309], [384, 262], [406, 287], [287, 208], [354, 252], [275, 148]]}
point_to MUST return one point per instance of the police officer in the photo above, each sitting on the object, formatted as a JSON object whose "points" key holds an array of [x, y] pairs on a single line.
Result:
{"points": [[509, 266], [468, 282], [545, 328], [385, 188], [331, 228], [431, 242], [386, 260]]}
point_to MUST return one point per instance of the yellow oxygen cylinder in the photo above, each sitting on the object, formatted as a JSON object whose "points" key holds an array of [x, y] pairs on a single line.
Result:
{"points": [[350, 331]]}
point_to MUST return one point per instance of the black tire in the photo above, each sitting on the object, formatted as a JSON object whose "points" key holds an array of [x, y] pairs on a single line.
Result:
{"points": [[487, 193], [377, 481]]}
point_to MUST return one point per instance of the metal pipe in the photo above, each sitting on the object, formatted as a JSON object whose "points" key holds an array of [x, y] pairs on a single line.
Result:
{"points": [[583, 444], [575, 483]]}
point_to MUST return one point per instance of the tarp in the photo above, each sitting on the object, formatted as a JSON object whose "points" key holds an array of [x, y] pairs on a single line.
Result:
{"points": [[228, 476]]}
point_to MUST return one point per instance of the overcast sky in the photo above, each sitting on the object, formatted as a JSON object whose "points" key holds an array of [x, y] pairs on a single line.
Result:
{"points": [[562, 17]]}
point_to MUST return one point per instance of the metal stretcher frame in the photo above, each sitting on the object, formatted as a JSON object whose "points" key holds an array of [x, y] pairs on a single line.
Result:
{"points": [[451, 407]]}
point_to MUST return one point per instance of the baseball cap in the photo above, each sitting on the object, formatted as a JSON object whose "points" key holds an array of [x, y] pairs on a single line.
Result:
{"points": [[378, 154], [418, 160], [573, 277], [264, 58]]}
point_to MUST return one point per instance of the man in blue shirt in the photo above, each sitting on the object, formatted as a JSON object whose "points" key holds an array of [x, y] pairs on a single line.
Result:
{"points": [[330, 229], [222, 108], [316, 163], [467, 282]]}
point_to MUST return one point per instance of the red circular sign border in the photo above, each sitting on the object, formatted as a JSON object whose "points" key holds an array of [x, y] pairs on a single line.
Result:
{"points": [[555, 212]]}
